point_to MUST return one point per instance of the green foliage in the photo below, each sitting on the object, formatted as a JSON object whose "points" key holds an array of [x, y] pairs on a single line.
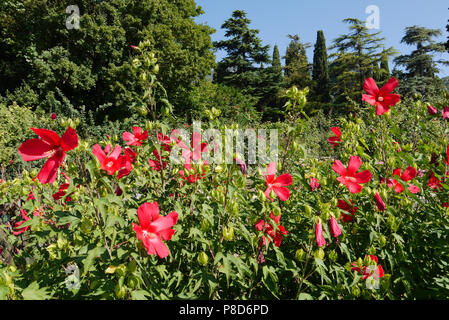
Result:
{"points": [[92, 66], [85, 248], [297, 68], [356, 54], [320, 70], [245, 53], [234, 106], [14, 129]]}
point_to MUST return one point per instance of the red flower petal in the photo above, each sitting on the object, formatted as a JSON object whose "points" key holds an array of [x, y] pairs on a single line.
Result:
{"points": [[147, 213], [48, 136], [354, 164], [391, 84], [363, 177], [283, 180], [34, 149], [282, 193], [50, 169], [371, 87], [339, 168], [354, 187], [409, 174], [69, 139], [390, 100]]}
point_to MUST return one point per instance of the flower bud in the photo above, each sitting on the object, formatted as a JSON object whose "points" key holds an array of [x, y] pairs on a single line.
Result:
{"points": [[356, 291], [228, 233], [300, 255], [382, 241], [133, 282], [119, 291], [319, 253], [308, 209], [203, 258], [121, 270], [333, 256], [205, 225]]}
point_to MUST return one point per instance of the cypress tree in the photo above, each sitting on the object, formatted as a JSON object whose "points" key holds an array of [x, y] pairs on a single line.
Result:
{"points": [[320, 71], [384, 68], [276, 62], [297, 69]]}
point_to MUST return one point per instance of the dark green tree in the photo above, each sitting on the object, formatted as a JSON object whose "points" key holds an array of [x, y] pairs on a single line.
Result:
{"points": [[421, 61], [420, 67], [271, 83], [276, 62], [354, 60], [320, 70], [245, 55], [384, 68], [45, 64], [297, 69], [447, 43]]}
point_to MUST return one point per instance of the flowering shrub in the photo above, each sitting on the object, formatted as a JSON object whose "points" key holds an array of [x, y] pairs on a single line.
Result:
{"points": [[128, 223]]}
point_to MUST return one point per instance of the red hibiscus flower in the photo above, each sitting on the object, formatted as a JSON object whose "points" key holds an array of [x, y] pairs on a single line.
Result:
{"points": [[111, 162], [434, 182], [126, 162], [61, 191], [383, 99], [195, 150], [314, 183], [278, 185], [370, 270], [407, 175], [349, 208], [31, 196], [319, 238], [445, 112], [156, 164], [154, 228], [350, 178], [165, 141], [334, 141], [334, 228], [17, 230], [432, 110], [192, 178], [137, 138], [379, 202], [50, 146], [275, 235]]}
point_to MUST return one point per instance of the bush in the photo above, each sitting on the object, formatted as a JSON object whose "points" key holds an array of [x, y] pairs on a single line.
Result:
{"points": [[367, 219]]}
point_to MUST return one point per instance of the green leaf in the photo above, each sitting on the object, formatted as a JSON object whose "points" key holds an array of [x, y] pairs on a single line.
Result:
{"points": [[89, 260], [33, 292], [140, 295]]}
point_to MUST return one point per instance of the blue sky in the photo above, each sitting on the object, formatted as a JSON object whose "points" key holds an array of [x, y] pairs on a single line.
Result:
{"points": [[276, 19]]}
